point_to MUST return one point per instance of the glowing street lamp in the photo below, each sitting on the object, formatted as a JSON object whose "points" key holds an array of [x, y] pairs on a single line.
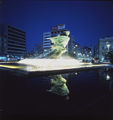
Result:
{"points": [[108, 46]]}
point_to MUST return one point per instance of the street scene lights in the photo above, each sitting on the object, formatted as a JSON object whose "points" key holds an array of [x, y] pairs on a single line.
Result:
{"points": [[76, 45], [108, 46]]}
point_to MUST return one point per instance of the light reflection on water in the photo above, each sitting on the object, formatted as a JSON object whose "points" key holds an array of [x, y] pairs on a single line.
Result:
{"points": [[107, 75], [86, 93]]}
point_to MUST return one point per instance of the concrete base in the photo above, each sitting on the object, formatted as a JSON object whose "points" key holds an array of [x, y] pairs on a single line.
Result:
{"points": [[21, 69]]}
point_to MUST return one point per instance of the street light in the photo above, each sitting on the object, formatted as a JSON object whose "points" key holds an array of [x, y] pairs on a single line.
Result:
{"points": [[108, 46]]}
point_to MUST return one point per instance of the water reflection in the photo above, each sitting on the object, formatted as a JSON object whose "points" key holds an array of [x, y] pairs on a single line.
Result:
{"points": [[107, 75], [90, 94], [58, 86]]}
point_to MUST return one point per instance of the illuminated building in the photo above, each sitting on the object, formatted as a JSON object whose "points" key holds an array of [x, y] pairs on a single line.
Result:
{"points": [[57, 30], [73, 47], [12, 41], [96, 52], [87, 54], [46, 42], [105, 45]]}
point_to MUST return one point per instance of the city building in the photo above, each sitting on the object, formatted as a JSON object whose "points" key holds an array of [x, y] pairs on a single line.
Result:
{"points": [[78, 52], [81, 53], [12, 41], [38, 50], [72, 47], [105, 45], [57, 30], [96, 52], [46, 41], [87, 54]]}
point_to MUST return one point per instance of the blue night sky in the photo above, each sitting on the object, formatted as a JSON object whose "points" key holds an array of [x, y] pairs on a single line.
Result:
{"points": [[87, 21]]}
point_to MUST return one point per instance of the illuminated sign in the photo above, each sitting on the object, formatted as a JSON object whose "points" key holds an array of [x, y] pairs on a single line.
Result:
{"points": [[61, 26]]}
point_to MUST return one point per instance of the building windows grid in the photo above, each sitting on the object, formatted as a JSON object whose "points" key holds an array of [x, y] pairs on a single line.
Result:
{"points": [[13, 40]]}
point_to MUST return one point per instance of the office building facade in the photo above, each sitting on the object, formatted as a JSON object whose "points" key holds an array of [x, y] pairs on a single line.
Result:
{"points": [[57, 30], [12, 41], [46, 41]]}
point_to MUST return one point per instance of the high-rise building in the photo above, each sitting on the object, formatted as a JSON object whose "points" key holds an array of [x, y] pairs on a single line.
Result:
{"points": [[46, 41], [57, 30], [96, 52], [38, 50], [105, 45], [71, 45], [12, 41]]}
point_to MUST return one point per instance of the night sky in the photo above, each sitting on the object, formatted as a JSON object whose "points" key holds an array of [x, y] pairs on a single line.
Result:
{"points": [[87, 21]]}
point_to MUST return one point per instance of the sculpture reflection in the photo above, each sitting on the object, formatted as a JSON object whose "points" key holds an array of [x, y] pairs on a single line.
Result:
{"points": [[58, 86]]}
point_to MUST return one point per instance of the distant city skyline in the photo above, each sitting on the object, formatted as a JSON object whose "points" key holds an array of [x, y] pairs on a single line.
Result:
{"points": [[87, 21]]}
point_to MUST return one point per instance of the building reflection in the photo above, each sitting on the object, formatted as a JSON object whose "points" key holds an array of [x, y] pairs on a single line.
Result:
{"points": [[58, 86]]}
